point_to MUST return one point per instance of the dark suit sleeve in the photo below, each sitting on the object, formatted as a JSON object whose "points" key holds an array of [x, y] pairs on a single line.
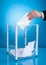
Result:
{"points": [[44, 15]]}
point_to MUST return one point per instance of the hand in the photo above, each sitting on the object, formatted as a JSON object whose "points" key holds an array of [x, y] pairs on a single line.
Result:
{"points": [[34, 14]]}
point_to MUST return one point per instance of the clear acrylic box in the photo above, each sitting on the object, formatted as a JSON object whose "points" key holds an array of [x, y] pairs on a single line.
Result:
{"points": [[22, 43]]}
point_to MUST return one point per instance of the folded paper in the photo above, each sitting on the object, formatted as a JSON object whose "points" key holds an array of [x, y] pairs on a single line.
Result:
{"points": [[25, 52]]}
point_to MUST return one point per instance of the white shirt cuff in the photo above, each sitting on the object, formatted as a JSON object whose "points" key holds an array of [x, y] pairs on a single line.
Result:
{"points": [[42, 15]]}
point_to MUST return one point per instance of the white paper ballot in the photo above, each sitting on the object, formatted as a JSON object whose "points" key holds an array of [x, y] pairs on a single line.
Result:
{"points": [[24, 52], [23, 22], [28, 49]]}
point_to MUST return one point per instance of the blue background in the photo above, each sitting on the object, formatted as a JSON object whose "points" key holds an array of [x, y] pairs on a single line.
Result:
{"points": [[12, 10]]}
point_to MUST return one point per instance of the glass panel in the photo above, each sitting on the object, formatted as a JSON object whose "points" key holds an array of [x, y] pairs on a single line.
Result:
{"points": [[22, 43], [11, 39]]}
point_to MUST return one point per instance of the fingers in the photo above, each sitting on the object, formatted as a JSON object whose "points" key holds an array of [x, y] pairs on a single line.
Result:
{"points": [[32, 12], [32, 15]]}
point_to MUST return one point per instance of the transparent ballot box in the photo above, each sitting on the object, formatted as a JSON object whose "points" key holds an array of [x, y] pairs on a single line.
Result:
{"points": [[22, 42]]}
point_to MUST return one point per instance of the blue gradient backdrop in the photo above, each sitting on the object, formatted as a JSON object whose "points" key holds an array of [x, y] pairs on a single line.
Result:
{"points": [[12, 10]]}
